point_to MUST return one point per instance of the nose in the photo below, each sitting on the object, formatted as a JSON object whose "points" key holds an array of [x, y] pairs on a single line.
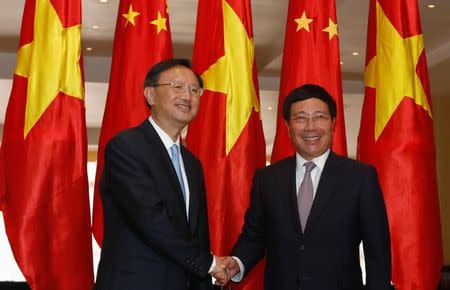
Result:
{"points": [[309, 123]]}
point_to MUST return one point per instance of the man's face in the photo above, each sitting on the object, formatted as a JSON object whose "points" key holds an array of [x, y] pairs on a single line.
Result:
{"points": [[172, 108], [311, 127]]}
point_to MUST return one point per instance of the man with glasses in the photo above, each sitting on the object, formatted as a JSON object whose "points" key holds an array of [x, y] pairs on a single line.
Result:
{"points": [[153, 194], [308, 213]]}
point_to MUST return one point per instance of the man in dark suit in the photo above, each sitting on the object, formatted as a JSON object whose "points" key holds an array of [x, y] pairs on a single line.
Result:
{"points": [[309, 212], [153, 194]]}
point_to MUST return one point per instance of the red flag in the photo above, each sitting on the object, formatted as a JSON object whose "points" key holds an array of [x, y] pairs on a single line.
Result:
{"points": [[396, 135], [311, 56], [46, 200], [142, 39], [227, 134]]}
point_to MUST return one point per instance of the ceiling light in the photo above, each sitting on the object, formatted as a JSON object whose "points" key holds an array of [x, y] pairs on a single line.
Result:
{"points": [[269, 108], [103, 1], [95, 27], [355, 53], [341, 62], [88, 48], [431, 6]]}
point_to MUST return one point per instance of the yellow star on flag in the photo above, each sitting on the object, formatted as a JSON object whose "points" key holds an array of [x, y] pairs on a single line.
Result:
{"points": [[50, 62], [332, 29], [130, 16], [232, 74], [160, 23], [392, 72], [303, 22]]}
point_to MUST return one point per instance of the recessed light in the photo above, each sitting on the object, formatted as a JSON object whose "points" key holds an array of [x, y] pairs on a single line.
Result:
{"points": [[355, 53], [269, 108], [431, 6], [88, 48], [103, 1], [95, 27], [341, 62]]}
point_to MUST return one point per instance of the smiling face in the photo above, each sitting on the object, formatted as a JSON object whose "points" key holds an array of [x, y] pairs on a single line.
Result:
{"points": [[173, 110], [310, 138]]}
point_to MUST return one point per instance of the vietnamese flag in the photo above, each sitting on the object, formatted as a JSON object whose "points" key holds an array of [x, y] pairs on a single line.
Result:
{"points": [[227, 134], [396, 136], [142, 39], [311, 56], [45, 187]]}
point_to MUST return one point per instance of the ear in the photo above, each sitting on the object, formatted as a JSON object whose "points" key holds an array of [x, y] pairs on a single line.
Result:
{"points": [[287, 128], [149, 93]]}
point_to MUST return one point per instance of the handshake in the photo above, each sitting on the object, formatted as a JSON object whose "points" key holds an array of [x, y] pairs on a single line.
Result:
{"points": [[226, 268]]}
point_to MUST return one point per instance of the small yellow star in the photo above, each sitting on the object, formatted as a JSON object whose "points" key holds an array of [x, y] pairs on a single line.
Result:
{"points": [[130, 16], [332, 29], [160, 23], [392, 72], [303, 22]]}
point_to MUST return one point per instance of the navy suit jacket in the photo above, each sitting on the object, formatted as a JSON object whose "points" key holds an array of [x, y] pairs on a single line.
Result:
{"points": [[348, 208], [148, 241]]}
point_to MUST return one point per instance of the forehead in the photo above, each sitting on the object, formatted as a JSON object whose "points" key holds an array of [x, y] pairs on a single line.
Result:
{"points": [[310, 105], [180, 73]]}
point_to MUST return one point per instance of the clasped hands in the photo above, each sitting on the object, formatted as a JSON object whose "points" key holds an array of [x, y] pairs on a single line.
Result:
{"points": [[225, 269]]}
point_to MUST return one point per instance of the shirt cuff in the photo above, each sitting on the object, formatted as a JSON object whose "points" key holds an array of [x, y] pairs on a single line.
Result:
{"points": [[213, 265], [238, 277]]}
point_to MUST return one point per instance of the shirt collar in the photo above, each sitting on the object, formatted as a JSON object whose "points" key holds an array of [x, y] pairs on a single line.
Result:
{"points": [[165, 138], [319, 161]]}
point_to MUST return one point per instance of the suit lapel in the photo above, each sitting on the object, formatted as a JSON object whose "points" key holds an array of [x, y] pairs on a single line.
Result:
{"points": [[325, 190], [162, 156]]}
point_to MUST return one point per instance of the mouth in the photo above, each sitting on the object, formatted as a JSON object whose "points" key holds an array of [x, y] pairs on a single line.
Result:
{"points": [[183, 107], [311, 139]]}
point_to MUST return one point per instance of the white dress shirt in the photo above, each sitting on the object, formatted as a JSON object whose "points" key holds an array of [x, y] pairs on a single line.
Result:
{"points": [[168, 142], [316, 173]]}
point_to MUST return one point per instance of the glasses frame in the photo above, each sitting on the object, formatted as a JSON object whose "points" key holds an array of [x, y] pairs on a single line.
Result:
{"points": [[182, 89], [316, 118]]}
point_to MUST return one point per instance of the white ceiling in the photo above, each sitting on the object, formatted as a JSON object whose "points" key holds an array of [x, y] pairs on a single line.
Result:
{"points": [[268, 24]]}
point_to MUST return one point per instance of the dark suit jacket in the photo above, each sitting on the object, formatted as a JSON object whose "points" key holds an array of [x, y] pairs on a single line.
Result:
{"points": [[148, 241], [348, 207]]}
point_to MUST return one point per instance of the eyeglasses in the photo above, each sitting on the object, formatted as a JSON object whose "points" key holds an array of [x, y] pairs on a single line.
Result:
{"points": [[318, 118], [179, 88]]}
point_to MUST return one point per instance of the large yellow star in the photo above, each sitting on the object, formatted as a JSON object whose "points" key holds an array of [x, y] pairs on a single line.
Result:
{"points": [[332, 29], [130, 16], [232, 75], [160, 23], [392, 72], [303, 22], [50, 62]]}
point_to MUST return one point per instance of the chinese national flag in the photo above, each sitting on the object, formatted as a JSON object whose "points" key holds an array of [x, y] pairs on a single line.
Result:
{"points": [[142, 39], [396, 135], [227, 134], [46, 200], [311, 56]]}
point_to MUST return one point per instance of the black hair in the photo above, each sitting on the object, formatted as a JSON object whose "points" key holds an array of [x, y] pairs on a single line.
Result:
{"points": [[152, 76], [305, 92]]}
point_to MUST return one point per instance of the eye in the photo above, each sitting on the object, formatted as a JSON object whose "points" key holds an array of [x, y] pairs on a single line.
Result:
{"points": [[194, 90], [177, 86], [318, 117]]}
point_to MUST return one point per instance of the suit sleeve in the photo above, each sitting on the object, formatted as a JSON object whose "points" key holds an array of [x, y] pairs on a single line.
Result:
{"points": [[375, 230], [250, 247], [132, 189]]}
